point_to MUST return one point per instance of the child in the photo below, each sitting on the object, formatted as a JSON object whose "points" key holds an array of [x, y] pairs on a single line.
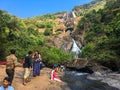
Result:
{"points": [[54, 76], [6, 85]]}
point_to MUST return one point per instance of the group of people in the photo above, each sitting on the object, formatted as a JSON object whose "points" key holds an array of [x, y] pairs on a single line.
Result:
{"points": [[28, 65], [37, 64]]}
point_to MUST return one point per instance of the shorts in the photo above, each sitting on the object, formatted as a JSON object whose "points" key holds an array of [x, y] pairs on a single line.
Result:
{"points": [[26, 73]]}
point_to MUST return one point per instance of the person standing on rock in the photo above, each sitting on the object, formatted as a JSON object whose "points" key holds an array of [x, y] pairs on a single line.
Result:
{"points": [[36, 64], [27, 67], [11, 63]]}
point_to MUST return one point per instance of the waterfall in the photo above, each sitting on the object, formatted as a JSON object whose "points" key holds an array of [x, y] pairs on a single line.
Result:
{"points": [[70, 15], [74, 16], [75, 49]]}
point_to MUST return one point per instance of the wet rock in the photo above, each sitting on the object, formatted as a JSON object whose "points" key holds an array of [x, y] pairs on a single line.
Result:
{"points": [[77, 63], [84, 65], [112, 79]]}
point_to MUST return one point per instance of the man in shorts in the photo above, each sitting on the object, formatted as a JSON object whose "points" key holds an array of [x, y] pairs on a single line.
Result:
{"points": [[27, 67]]}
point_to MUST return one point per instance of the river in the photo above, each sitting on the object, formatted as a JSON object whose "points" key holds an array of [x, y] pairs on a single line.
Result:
{"points": [[77, 81]]}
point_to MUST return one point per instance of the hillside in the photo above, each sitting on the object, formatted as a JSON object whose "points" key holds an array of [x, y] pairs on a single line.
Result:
{"points": [[60, 21], [101, 33]]}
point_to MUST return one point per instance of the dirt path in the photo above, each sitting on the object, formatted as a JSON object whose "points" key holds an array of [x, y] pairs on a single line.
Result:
{"points": [[41, 82]]}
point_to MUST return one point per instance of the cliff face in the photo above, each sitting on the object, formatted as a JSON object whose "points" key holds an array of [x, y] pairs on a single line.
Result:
{"points": [[69, 20], [63, 41]]}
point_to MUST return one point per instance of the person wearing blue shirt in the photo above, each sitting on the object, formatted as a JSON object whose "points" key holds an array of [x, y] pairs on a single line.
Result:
{"points": [[55, 65], [6, 85]]}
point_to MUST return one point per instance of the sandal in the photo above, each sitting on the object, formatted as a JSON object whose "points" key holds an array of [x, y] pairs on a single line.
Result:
{"points": [[24, 84]]}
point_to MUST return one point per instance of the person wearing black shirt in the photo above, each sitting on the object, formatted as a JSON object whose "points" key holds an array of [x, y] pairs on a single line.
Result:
{"points": [[27, 67]]}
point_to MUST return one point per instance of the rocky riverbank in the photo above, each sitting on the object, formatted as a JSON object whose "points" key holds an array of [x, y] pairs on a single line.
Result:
{"points": [[97, 71], [43, 82], [112, 79]]}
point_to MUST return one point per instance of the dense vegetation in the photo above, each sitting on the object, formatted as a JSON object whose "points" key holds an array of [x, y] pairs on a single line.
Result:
{"points": [[23, 35], [101, 31]]}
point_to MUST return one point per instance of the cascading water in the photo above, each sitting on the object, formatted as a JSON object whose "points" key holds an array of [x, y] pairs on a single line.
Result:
{"points": [[74, 16], [78, 81], [76, 50]]}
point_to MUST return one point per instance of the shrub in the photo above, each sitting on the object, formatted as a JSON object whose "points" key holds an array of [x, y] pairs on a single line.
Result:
{"points": [[48, 32]]}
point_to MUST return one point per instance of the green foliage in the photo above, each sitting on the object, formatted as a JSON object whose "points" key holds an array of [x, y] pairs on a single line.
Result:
{"points": [[54, 55], [45, 24], [14, 33], [90, 36], [102, 35], [86, 8], [45, 17], [41, 25], [48, 32], [88, 49]]}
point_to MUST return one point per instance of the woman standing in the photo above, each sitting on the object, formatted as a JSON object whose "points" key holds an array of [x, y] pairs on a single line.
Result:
{"points": [[36, 64]]}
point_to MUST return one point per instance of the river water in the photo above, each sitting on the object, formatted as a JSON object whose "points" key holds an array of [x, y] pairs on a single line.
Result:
{"points": [[78, 81]]}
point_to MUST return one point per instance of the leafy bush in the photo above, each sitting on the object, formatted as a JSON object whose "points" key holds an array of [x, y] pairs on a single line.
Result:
{"points": [[41, 25], [48, 32], [88, 49], [54, 55]]}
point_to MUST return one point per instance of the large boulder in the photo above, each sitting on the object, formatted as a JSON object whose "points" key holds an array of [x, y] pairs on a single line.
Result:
{"points": [[84, 65]]}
